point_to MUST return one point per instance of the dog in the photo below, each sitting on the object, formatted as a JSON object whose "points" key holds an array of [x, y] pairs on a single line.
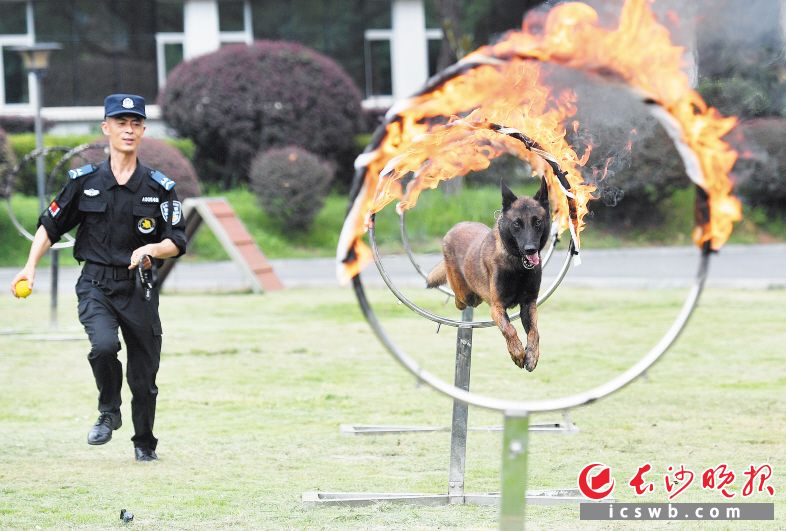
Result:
{"points": [[500, 266]]}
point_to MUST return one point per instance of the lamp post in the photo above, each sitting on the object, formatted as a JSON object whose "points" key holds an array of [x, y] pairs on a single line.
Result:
{"points": [[36, 61]]}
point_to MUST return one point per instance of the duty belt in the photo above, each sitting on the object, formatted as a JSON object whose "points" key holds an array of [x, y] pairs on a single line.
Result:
{"points": [[100, 271]]}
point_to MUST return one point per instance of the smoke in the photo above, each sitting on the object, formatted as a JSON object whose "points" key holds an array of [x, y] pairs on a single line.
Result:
{"points": [[735, 56]]}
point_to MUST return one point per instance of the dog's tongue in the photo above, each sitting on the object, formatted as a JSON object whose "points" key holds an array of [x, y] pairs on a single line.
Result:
{"points": [[533, 259]]}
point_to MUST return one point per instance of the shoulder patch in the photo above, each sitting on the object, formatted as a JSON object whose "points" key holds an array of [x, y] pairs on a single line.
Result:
{"points": [[162, 179], [76, 173]]}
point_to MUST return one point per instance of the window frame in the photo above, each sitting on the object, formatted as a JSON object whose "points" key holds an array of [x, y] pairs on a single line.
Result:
{"points": [[19, 39], [162, 39]]}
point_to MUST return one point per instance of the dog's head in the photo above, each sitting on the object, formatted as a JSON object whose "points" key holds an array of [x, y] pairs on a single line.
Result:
{"points": [[524, 224]]}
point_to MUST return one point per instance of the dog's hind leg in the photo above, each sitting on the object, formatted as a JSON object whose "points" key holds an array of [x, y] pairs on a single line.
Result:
{"points": [[438, 275], [529, 318], [463, 295], [516, 349]]}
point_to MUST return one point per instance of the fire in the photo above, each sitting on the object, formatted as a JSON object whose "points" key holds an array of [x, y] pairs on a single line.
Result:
{"points": [[445, 132]]}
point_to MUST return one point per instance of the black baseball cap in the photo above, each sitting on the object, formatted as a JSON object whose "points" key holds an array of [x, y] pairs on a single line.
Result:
{"points": [[117, 104]]}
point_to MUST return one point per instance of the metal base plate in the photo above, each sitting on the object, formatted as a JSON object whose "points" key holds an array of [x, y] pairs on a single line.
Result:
{"points": [[374, 429], [537, 497]]}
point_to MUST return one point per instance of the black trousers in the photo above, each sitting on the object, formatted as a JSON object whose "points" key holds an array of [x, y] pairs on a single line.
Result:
{"points": [[107, 301]]}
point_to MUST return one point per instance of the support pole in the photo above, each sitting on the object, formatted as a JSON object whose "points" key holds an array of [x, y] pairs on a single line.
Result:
{"points": [[458, 432], [514, 471], [41, 189]]}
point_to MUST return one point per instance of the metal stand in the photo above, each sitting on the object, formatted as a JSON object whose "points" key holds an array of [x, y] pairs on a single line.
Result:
{"points": [[461, 380], [458, 432], [513, 461]]}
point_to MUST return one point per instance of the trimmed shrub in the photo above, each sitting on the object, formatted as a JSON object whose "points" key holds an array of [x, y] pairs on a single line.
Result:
{"points": [[242, 99], [23, 124], [7, 163], [155, 154], [760, 172], [291, 185]]}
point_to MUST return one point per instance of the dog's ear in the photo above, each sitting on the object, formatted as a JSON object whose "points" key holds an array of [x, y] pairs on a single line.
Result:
{"points": [[508, 197], [542, 196]]}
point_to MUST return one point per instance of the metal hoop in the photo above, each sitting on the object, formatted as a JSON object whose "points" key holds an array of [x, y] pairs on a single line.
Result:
{"points": [[445, 320], [68, 153], [9, 188], [692, 168], [533, 406]]}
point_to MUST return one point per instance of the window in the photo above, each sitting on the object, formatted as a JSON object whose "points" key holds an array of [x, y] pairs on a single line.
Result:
{"points": [[13, 18], [14, 77], [15, 30], [231, 15], [379, 75], [170, 38], [234, 22], [108, 46], [169, 18], [333, 27]]}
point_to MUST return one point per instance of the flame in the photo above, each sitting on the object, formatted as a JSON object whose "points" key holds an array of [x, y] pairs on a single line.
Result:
{"points": [[444, 132]]}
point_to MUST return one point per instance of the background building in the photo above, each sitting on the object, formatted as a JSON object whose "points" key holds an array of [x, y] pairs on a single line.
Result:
{"points": [[389, 47], [114, 45]]}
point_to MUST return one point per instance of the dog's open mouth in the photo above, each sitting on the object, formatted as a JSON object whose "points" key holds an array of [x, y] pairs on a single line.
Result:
{"points": [[530, 261]]}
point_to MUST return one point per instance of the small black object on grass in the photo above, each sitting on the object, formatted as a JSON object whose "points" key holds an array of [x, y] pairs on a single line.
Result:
{"points": [[126, 516]]}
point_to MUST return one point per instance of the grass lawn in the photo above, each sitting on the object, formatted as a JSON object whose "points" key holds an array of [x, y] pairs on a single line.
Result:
{"points": [[426, 224], [253, 389]]}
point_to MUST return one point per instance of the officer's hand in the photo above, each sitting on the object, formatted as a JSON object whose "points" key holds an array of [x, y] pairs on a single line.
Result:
{"points": [[137, 255], [25, 274]]}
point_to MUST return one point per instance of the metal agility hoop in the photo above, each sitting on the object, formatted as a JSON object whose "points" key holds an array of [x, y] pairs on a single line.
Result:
{"points": [[69, 240], [693, 170], [68, 153], [527, 406]]}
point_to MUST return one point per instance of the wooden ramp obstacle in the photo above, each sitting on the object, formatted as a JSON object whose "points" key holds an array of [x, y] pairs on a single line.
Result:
{"points": [[220, 217]]}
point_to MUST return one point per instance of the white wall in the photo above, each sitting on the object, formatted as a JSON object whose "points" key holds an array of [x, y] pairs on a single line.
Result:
{"points": [[408, 49], [200, 20]]}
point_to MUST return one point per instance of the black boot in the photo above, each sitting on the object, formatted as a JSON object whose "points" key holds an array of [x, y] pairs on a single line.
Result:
{"points": [[101, 433], [145, 454]]}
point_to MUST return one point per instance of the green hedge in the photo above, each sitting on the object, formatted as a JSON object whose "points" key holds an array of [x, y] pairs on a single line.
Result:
{"points": [[24, 143]]}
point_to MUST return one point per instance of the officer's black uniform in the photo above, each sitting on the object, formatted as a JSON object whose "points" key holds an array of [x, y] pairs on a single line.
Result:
{"points": [[114, 220]]}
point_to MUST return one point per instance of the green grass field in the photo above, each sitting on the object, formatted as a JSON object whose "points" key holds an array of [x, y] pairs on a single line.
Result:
{"points": [[426, 224], [253, 389]]}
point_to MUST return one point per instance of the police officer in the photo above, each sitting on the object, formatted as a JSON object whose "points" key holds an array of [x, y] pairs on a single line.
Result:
{"points": [[126, 213]]}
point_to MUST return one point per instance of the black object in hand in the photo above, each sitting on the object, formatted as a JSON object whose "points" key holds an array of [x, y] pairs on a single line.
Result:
{"points": [[147, 277]]}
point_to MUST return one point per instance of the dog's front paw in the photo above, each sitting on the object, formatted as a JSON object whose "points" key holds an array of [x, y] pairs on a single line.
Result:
{"points": [[531, 356]]}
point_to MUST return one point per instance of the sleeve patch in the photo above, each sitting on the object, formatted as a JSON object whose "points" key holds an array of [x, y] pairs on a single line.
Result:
{"points": [[54, 209], [177, 210]]}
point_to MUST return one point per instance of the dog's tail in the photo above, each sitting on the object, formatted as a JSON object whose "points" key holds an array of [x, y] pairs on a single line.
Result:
{"points": [[438, 275]]}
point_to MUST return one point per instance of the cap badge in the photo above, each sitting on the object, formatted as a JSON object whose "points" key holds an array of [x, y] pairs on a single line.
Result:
{"points": [[128, 103]]}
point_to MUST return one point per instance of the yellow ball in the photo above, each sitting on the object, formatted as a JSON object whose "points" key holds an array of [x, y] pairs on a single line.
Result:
{"points": [[22, 289]]}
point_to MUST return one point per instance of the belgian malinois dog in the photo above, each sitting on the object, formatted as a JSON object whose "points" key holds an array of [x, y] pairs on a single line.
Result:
{"points": [[501, 266]]}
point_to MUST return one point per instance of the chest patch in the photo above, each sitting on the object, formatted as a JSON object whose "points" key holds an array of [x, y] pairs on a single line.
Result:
{"points": [[177, 211], [91, 192], [146, 225], [150, 199]]}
